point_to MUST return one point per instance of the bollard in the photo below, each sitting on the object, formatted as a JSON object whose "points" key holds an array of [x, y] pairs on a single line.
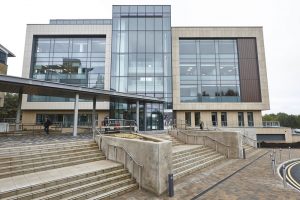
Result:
{"points": [[273, 165], [171, 185], [244, 153], [280, 154], [284, 176], [289, 153]]}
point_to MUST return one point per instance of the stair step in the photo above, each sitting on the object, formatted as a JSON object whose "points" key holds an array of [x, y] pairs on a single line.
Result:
{"points": [[177, 165], [205, 150], [197, 167], [187, 152], [40, 152], [192, 164], [44, 168], [87, 190], [23, 149], [64, 159], [50, 184], [116, 192], [45, 158]]}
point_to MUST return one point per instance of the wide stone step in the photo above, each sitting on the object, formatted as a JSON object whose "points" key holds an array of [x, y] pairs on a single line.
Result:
{"points": [[193, 159], [43, 152], [105, 178], [187, 152], [87, 191], [41, 158], [49, 185], [116, 192], [64, 159], [47, 167], [195, 154], [198, 167], [24, 149], [194, 163]]}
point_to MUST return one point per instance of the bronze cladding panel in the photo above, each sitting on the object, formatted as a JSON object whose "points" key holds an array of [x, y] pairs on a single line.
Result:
{"points": [[249, 71]]}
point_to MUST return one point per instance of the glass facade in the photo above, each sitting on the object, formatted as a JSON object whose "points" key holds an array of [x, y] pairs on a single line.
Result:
{"points": [[209, 70], [141, 58], [3, 57], [70, 60]]}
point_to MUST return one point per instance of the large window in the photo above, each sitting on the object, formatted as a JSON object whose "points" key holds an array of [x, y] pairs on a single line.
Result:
{"points": [[250, 119], [241, 119], [141, 58], [209, 70], [70, 60], [141, 51]]}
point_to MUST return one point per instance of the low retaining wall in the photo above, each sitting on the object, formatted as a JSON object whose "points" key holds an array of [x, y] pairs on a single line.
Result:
{"points": [[231, 139], [155, 156]]}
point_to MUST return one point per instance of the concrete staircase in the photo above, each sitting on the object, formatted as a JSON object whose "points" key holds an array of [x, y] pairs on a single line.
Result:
{"points": [[195, 157], [174, 140], [29, 159], [79, 168]]}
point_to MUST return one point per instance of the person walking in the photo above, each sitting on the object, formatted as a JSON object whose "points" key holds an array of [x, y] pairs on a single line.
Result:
{"points": [[47, 124]]}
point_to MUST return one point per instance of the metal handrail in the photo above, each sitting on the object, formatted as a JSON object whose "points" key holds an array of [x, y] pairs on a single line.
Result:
{"points": [[205, 136], [248, 138], [126, 153]]}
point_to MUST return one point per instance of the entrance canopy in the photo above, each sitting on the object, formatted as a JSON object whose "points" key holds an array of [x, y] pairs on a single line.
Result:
{"points": [[46, 88]]}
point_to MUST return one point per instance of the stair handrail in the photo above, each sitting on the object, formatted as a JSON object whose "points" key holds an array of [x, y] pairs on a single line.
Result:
{"points": [[251, 139], [126, 153], [205, 136]]}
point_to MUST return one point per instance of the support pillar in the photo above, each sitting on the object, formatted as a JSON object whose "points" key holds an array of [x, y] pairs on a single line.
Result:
{"points": [[75, 115], [18, 116], [138, 115], [94, 117]]}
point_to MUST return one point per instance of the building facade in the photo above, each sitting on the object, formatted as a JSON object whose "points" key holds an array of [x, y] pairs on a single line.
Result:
{"points": [[4, 54], [214, 75]]}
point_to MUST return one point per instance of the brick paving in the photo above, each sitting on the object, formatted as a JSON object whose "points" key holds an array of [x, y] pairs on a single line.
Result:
{"points": [[253, 182]]}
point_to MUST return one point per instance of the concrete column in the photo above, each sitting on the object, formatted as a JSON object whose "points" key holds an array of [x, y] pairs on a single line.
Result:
{"points": [[138, 115], [94, 117], [75, 115], [18, 116]]}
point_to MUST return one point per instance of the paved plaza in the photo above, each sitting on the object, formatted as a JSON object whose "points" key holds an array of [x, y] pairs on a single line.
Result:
{"points": [[256, 181]]}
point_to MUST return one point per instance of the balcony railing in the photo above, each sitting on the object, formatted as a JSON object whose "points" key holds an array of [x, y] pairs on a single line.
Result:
{"points": [[271, 124]]}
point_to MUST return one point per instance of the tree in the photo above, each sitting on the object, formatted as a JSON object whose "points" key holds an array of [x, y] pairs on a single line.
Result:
{"points": [[285, 120], [10, 106]]}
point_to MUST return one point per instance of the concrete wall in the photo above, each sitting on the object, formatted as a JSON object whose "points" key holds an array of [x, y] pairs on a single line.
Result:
{"points": [[51, 30], [277, 130], [219, 32], [156, 158], [231, 139], [296, 138]]}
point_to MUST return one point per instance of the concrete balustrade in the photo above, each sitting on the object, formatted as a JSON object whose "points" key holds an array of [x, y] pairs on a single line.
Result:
{"points": [[155, 155], [231, 139]]}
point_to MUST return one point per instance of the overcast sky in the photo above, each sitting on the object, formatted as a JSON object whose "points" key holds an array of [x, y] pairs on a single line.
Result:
{"points": [[280, 20]]}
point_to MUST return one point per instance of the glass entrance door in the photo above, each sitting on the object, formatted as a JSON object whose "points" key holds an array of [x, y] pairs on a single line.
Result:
{"points": [[154, 119]]}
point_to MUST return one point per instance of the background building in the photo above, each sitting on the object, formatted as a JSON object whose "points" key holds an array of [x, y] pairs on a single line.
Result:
{"points": [[4, 54], [216, 75]]}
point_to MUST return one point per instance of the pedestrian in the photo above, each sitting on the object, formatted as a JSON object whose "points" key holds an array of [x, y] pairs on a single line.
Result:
{"points": [[201, 125], [47, 124]]}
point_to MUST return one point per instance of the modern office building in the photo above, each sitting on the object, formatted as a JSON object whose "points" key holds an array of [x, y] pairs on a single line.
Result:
{"points": [[4, 54], [216, 75]]}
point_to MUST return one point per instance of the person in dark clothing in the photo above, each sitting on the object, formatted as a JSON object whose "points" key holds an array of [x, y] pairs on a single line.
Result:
{"points": [[47, 124], [201, 125]]}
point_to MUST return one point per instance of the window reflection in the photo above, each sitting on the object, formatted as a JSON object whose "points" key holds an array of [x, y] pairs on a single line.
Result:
{"points": [[68, 60], [210, 66]]}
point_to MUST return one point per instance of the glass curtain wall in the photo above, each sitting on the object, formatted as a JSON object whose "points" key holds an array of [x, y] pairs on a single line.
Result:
{"points": [[70, 60], [209, 70], [141, 58]]}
